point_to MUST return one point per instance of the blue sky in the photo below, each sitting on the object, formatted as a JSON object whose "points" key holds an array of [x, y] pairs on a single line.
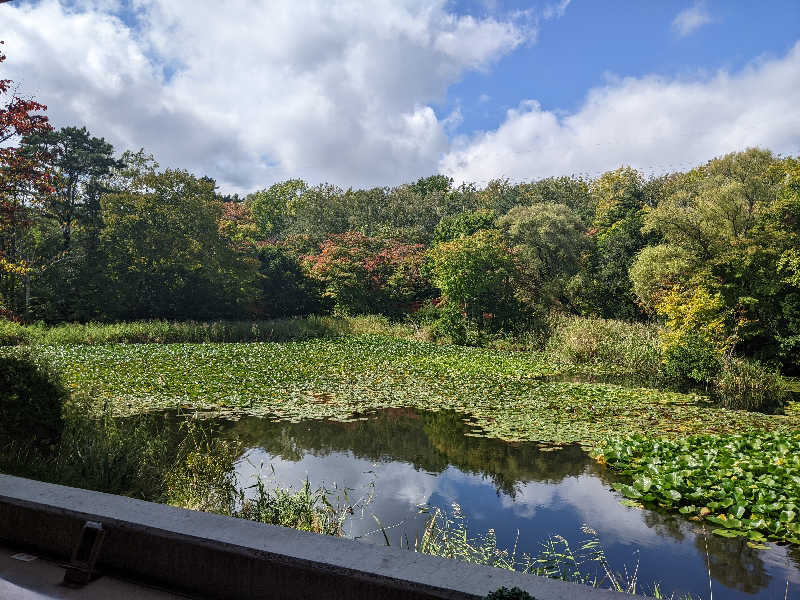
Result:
{"points": [[594, 40], [380, 93]]}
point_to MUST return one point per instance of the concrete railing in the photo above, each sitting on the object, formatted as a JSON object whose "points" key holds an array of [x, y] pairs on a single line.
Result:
{"points": [[222, 557]]}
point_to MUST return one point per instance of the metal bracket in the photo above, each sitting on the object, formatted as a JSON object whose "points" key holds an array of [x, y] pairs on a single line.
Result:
{"points": [[80, 569]]}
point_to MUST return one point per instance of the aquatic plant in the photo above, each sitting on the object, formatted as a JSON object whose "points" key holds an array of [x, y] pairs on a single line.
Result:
{"points": [[504, 394], [446, 535], [745, 485]]}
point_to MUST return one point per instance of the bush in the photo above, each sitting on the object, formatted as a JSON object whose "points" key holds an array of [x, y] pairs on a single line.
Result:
{"points": [[749, 385], [31, 398], [631, 348], [12, 334], [691, 357]]}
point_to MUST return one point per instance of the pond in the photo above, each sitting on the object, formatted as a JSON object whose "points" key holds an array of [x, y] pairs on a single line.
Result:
{"points": [[524, 491]]}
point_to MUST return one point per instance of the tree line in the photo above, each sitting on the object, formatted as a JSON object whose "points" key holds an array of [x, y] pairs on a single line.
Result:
{"points": [[713, 253]]}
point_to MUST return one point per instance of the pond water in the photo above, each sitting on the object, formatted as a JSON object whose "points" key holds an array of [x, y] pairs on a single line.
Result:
{"points": [[523, 491]]}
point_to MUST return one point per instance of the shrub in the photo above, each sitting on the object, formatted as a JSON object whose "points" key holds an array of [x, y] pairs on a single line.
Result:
{"points": [[691, 356], [31, 398], [12, 333], [696, 335], [749, 385]]}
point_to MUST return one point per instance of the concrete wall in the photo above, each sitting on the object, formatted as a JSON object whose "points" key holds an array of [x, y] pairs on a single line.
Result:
{"points": [[223, 557]]}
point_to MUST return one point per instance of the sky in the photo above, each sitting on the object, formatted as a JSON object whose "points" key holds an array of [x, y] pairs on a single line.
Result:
{"points": [[377, 93]]}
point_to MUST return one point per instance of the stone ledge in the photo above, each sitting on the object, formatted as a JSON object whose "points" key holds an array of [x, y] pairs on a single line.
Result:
{"points": [[225, 557]]}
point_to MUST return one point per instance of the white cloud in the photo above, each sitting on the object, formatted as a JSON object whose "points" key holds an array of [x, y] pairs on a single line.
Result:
{"points": [[691, 19], [652, 123], [556, 10], [260, 91], [251, 93]]}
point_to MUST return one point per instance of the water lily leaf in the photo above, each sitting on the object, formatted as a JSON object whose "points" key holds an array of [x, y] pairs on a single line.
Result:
{"points": [[626, 490], [728, 533], [631, 503], [787, 516]]}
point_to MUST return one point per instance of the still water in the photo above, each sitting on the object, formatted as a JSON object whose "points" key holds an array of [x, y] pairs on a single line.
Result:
{"points": [[524, 492]]}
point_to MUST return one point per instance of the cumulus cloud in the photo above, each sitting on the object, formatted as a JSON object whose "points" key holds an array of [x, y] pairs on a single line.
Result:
{"points": [[253, 92], [655, 124], [691, 19]]}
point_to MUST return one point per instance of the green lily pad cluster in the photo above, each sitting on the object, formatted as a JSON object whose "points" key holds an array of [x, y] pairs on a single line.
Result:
{"points": [[745, 486], [514, 396]]}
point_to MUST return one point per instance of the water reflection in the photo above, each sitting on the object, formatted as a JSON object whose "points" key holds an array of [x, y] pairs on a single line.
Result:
{"points": [[523, 491]]}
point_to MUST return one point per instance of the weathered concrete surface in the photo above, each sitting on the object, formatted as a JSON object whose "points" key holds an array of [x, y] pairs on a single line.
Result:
{"points": [[224, 557], [40, 579]]}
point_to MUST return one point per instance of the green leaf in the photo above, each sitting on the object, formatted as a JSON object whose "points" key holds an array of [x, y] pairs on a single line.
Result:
{"points": [[787, 516]]}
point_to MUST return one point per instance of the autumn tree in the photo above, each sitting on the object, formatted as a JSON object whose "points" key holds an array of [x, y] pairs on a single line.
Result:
{"points": [[23, 176], [361, 274]]}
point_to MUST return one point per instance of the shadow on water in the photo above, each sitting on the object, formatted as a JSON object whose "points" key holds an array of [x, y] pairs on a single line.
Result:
{"points": [[524, 491]]}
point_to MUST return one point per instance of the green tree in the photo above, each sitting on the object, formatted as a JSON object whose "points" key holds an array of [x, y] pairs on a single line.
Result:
{"points": [[548, 241], [78, 163], [463, 224], [604, 287], [478, 278], [572, 191], [166, 256], [285, 290], [734, 219], [273, 208]]}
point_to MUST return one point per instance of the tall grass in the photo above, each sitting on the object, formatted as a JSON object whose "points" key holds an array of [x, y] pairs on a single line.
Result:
{"points": [[146, 457], [619, 346], [749, 385], [164, 332], [446, 535]]}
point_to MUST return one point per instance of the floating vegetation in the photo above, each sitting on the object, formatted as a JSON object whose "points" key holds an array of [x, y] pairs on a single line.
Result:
{"points": [[744, 486], [504, 394]]}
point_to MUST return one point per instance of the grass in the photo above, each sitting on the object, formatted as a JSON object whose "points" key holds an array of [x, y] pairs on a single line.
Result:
{"points": [[608, 345], [170, 332], [446, 535], [502, 392]]}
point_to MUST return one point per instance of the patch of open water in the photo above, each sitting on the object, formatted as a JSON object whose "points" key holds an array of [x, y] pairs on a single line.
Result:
{"points": [[524, 491]]}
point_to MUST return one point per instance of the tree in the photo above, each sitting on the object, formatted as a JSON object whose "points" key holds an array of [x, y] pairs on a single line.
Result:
{"points": [[285, 290], [79, 164], [478, 276], [361, 274], [463, 224], [572, 191], [274, 207], [23, 176], [604, 287], [657, 270], [734, 220], [548, 240], [166, 256]]}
